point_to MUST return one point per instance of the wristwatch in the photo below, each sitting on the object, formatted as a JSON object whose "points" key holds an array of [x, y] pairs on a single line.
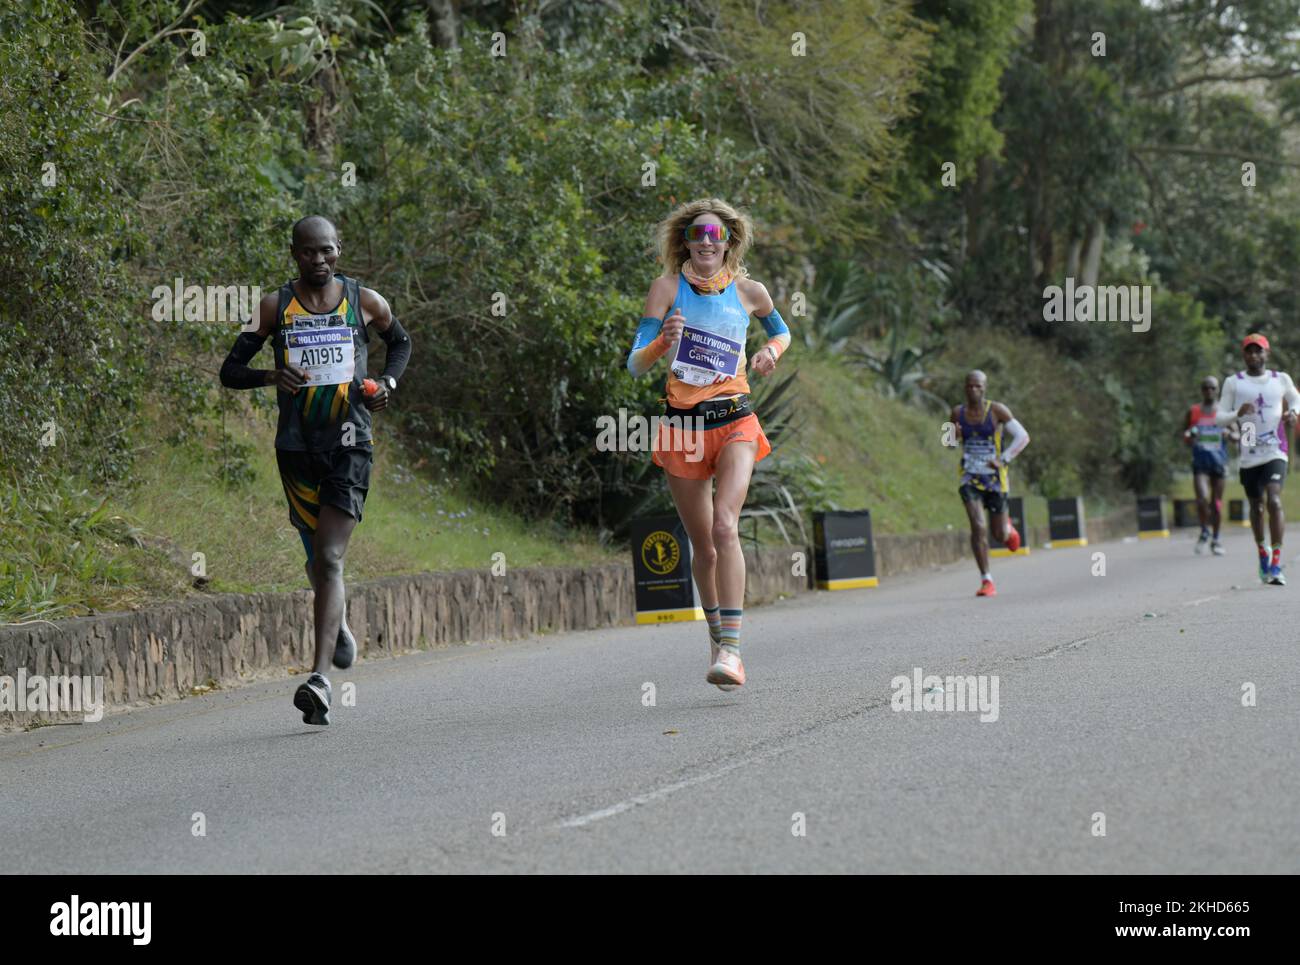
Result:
{"points": [[389, 381]]}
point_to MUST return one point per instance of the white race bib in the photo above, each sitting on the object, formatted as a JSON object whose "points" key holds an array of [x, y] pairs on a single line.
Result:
{"points": [[976, 455], [322, 345], [704, 358]]}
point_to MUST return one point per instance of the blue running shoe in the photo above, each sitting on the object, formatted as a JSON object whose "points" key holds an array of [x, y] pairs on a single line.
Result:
{"points": [[1275, 577]]}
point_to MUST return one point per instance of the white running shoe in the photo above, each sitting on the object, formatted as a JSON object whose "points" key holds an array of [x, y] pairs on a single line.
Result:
{"points": [[727, 669], [713, 659]]}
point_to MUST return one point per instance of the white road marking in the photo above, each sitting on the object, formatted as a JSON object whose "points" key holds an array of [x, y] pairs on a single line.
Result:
{"points": [[662, 792]]}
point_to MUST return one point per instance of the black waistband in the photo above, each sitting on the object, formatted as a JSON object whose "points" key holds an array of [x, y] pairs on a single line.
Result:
{"points": [[714, 412]]}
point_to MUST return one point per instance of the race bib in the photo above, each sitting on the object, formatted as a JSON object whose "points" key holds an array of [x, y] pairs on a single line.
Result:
{"points": [[1266, 440], [1209, 437], [322, 345], [704, 358], [1257, 436], [975, 458]]}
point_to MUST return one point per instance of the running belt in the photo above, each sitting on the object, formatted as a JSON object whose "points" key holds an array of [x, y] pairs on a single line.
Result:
{"points": [[714, 412]]}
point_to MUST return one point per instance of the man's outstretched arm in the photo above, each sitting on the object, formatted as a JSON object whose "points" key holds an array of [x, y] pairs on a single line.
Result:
{"points": [[235, 371]]}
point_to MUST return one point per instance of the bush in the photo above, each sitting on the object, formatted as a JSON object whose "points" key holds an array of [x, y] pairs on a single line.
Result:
{"points": [[513, 236]]}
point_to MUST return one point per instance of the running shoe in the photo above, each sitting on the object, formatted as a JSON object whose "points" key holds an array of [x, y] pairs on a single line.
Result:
{"points": [[727, 669], [313, 699], [713, 659], [1216, 548], [1263, 569], [345, 648], [1013, 538], [986, 589], [1275, 577], [1200, 543]]}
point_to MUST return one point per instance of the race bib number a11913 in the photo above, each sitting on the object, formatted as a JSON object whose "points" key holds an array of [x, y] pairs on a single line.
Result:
{"points": [[324, 349], [704, 358]]}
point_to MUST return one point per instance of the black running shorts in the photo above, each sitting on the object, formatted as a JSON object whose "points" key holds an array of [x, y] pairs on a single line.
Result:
{"points": [[339, 478], [994, 502], [1256, 478]]}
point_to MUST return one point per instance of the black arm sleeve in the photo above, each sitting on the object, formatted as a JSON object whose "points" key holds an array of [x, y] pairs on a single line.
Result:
{"points": [[399, 349], [235, 373]]}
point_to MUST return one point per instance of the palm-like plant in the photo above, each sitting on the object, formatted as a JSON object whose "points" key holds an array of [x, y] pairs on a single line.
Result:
{"points": [[899, 365], [909, 306], [838, 306]]}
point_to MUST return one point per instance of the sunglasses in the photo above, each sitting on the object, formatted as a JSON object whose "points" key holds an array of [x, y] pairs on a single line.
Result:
{"points": [[698, 232]]}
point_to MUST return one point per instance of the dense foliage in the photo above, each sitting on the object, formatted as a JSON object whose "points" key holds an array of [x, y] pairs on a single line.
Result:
{"points": [[920, 173]]}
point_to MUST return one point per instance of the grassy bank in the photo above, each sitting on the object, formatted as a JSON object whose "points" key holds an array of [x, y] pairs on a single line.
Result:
{"points": [[76, 550], [128, 546]]}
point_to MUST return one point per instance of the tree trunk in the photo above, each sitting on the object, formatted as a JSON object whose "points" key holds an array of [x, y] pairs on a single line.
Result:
{"points": [[444, 24], [1072, 257], [320, 112], [976, 228], [1092, 255]]}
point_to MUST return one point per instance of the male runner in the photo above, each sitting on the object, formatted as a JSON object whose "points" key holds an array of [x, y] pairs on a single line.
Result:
{"points": [[1209, 445], [982, 427], [323, 445], [1262, 402]]}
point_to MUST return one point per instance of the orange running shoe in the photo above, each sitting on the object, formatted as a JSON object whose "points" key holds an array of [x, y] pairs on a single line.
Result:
{"points": [[986, 589], [727, 669], [1013, 538]]}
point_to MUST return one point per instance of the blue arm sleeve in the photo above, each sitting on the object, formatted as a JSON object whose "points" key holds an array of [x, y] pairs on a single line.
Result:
{"points": [[774, 324]]}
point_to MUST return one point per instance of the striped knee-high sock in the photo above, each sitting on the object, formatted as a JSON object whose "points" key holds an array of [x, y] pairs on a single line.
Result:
{"points": [[730, 632], [713, 615]]}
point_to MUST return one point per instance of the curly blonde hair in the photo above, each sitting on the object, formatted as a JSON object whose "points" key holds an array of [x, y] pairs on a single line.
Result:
{"points": [[670, 237]]}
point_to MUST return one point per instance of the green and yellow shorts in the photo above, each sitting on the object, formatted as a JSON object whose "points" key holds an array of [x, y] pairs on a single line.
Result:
{"points": [[338, 477]]}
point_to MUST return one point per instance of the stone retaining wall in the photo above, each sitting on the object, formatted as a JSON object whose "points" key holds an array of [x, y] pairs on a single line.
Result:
{"points": [[166, 650]]}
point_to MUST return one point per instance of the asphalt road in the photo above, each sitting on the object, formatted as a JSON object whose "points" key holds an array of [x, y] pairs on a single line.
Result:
{"points": [[1119, 695]]}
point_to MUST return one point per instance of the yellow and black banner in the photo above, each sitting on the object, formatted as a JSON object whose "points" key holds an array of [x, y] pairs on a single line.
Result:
{"points": [[1152, 521], [1185, 513], [661, 568], [844, 553], [1065, 524]]}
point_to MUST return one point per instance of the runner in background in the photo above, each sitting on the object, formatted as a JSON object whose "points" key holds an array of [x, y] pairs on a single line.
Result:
{"points": [[1262, 402], [982, 427], [1209, 443]]}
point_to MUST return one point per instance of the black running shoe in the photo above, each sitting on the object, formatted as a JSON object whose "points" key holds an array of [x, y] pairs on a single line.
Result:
{"points": [[313, 699], [345, 649]]}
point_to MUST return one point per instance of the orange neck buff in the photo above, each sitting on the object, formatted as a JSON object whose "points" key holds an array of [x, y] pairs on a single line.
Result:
{"points": [[713, 283]]}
